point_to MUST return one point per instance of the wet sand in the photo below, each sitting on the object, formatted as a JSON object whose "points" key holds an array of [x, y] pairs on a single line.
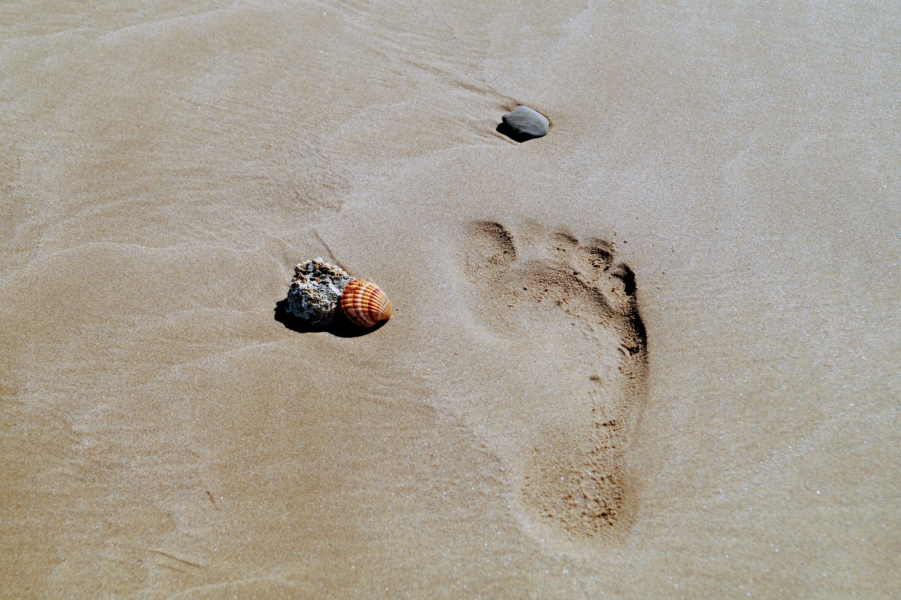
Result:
{"points": [[653, 353]]}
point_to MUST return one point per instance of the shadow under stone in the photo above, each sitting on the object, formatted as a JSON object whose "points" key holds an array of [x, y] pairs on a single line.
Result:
{"points": [[340, 326], [514, 135]]}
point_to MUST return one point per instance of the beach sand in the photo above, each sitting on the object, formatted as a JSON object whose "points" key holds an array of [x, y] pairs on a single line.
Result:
{"points": [[654, 353]]}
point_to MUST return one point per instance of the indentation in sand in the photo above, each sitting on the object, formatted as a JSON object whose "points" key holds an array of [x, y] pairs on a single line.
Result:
{"points": [[572, 485]]}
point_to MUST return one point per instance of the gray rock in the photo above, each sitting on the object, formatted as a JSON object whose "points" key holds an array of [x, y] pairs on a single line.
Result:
{"points": [[526, 122], [316, 291]]}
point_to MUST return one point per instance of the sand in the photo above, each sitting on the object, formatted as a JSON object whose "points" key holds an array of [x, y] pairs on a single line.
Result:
{"points": [[651, 354]]}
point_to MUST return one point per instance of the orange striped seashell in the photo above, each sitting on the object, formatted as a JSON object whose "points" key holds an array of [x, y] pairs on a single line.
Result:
{"points": [[365, 303]]}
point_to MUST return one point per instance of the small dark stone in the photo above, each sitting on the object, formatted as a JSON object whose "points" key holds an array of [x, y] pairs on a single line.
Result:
{"points": [[526, 123]]}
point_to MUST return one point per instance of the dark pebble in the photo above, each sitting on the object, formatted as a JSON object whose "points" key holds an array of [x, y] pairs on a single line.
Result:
{"points": [[525, 122]]}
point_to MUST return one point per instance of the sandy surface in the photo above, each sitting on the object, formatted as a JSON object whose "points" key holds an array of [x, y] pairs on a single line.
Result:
{"points": [[654, 353]]}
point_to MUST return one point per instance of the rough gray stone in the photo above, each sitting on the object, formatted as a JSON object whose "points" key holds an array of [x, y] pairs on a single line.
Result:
{"points": [[316, 291], [526, 122]]}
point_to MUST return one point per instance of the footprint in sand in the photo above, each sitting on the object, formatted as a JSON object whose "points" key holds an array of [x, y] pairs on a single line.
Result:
{"points": [[577, 350]]}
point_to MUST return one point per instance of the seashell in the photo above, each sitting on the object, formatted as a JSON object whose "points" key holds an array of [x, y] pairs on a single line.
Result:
{"points": [[365, 303]]}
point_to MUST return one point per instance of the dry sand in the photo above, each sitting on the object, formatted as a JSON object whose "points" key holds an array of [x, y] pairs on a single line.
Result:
{"points": [[652, 354]]}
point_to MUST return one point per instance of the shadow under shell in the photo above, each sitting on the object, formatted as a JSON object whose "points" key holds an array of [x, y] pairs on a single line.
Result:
{"points": [[340, 326]]}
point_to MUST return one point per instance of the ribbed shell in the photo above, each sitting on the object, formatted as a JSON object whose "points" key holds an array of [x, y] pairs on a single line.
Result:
{"points": [[365, 303]]}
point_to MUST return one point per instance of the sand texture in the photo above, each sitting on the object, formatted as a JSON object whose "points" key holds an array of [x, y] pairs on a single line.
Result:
{"points": [[654, 353]]}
